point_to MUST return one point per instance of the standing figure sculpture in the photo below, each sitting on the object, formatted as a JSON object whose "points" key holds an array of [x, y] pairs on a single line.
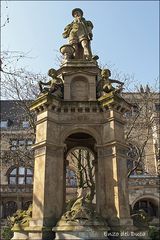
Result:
{"points": [[79, 34], [105, 84], [54, 85]]}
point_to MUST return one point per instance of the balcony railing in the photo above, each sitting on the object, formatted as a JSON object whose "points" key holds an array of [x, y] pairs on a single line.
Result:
{"points": [[16, 188], [148, 181]]}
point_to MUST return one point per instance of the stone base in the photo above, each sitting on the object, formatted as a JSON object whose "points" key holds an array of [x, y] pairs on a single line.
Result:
{"points": [[19, 232], [20, 236], [80, 235], [40, 233], [73, 230], [121, 229], [121, 224]]}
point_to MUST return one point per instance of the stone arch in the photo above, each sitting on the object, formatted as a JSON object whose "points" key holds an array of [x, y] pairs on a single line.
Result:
{"points": [[152, 198], [83, 148], [148, 203], [83, 129], [26, 174], [9, 207], [9, 170], [85, 156]]}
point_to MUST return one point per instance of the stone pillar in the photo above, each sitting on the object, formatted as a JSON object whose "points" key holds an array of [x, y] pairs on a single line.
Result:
{"points": [[48, 191], [48, 186], [113, 203]]}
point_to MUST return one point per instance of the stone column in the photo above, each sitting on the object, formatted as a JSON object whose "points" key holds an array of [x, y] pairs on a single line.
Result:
{"points": [[48, 191], [113, 203]]}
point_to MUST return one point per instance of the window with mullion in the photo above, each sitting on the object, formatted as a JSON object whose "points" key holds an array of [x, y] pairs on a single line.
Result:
{"points": [[20, 176], [71, 180], [13, 176], [16, 144]]}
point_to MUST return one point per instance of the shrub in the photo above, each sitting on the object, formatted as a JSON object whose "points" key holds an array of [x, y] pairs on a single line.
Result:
{"points": [[141, 218], [154, 233], [7, 234]]}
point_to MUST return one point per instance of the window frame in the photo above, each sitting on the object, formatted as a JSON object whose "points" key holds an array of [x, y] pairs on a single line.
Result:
{"points": [[70, 178], [2, 123], [27, 143], [147, 205], [25, 124], [18, 175], [157, 107], [9, 208]]}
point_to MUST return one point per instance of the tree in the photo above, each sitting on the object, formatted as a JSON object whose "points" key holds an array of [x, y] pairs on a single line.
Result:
{"points": [[140, 126], [19, 84], [82, 160]]}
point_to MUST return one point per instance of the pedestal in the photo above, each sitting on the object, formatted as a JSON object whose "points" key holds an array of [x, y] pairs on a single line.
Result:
{"points": [[72, 230], [20, 232]]}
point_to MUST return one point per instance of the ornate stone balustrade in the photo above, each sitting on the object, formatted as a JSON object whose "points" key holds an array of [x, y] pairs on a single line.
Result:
{"points": [[148, 181], [16, 188]]}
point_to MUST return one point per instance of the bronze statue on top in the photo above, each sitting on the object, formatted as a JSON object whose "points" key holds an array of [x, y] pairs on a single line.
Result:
{"points": [[54, 85], [79, 34], [104, 85]]}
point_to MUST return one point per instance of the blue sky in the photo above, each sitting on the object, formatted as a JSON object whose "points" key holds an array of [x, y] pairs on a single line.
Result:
{"points": [[125, 34]]}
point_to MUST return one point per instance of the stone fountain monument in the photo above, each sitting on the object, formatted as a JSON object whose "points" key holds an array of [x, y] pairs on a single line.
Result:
{"points": [[79, 106]]}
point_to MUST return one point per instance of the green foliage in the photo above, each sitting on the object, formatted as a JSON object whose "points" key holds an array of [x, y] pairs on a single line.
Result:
{"points": [[141, 218], [7, 234], [69, 203], [21, 217], [154, 233]]}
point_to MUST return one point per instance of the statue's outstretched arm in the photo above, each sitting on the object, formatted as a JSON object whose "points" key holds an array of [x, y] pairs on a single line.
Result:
{"points": [[115, 81], [45, 83], [67, 30]]}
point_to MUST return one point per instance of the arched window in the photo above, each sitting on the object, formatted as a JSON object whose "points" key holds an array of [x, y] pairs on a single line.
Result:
{"points": [[9, 208], [148, 206], [20, 175], [71, 180]]}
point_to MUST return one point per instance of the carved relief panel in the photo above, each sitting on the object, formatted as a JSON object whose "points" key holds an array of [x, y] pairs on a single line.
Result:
{"points": [[79, 89]]}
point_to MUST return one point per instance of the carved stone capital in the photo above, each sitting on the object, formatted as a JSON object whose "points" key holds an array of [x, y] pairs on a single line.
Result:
{"points": [[44, 102], [115, 102]]}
